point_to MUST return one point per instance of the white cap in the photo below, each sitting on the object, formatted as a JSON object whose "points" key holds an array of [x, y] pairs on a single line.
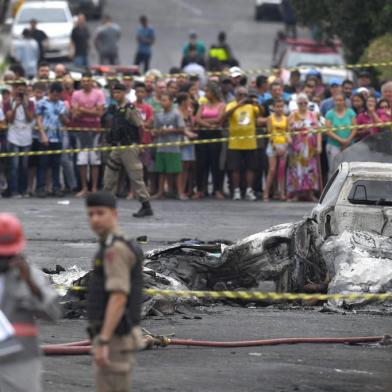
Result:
{"points": [[363, 90], [235, 72]]}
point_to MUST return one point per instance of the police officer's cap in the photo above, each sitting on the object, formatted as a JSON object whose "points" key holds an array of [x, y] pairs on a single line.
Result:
{"points": [[101, 199], [120, 87]]}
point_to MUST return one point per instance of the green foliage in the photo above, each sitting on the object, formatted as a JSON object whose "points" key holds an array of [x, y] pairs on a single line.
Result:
{"points": [[355, 22], [379, 50]]}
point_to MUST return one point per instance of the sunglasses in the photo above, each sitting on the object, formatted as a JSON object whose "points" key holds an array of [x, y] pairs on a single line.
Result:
{"points": [[384, 106], [302, 103]]}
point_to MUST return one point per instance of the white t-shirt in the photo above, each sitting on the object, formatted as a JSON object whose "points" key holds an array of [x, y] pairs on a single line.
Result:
{"points": [[293, 106], [131, 96], [20, 132]]}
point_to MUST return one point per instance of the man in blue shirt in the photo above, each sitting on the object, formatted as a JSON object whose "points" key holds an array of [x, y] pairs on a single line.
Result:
{"points": [[51, 115], [145, 38]]}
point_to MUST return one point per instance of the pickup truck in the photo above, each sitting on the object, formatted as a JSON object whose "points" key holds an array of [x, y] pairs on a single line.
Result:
{"points": [[358, 197]]}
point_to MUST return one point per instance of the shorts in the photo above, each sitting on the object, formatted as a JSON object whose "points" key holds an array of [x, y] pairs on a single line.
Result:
{"points": [[272, 149], [168, 163], [34, 159], [88, 158], [238, 159], [188, 153]]}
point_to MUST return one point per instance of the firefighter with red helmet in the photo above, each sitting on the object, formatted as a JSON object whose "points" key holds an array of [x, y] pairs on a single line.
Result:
{"points": [[24, 294]]}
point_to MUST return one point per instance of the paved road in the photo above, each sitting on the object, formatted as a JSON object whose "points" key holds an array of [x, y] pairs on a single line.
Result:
{"points": [[251, 41], [58, 234]]}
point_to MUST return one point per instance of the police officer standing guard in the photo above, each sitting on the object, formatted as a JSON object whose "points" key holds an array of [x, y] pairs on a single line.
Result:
{"points": [[126, 129], [114, 297]]}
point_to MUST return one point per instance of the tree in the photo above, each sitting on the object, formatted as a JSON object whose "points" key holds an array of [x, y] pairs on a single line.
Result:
{"points": [[355, 22], [379, 51]]}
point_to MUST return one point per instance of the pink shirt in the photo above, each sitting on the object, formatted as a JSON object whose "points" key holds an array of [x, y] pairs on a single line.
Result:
{"points": [[146, 112], [364, 118], [209, 112], [88, 101]]}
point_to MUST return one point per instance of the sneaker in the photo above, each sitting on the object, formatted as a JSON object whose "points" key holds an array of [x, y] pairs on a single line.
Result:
{"points": [[41, 193], [144, 211], [237, 194], [250, 195], [58, 193]]}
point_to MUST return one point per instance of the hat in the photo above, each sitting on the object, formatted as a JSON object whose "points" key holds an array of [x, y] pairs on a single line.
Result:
{"points": [[313, 72], [192, 34], [120, 87], [335, 82], [12, 239], [101, 199], [363, 90], [235, 72], [364, 74]]}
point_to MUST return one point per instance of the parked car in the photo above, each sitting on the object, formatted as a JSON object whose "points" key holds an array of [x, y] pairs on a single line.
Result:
{"points": [[358, 197], [268, 10], [90, 8], [307, 54], [54, 18]]}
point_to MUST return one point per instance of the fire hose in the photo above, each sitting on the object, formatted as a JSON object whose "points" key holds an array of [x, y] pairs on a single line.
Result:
{"points": [[84, 347]]}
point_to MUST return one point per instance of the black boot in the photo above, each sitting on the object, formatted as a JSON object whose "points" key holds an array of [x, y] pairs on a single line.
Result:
{"points": [[145, 210]]}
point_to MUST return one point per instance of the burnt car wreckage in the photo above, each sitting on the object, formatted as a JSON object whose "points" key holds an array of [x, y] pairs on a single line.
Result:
{"points": [[344, 246]]}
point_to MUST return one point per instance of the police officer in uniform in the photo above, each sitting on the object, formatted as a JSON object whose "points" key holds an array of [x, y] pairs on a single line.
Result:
{"points": [[114, 297], [126, 128]]}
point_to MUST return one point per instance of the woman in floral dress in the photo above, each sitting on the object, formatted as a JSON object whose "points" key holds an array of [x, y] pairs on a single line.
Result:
{"points": [[303, 176]]}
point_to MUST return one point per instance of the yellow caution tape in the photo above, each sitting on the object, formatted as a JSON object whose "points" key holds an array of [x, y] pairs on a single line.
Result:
{"points": [[257, 295], [189, 143], [253, 295]]}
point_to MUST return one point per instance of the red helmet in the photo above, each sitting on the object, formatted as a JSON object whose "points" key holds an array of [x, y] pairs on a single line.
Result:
{"points": [[12, 239]]}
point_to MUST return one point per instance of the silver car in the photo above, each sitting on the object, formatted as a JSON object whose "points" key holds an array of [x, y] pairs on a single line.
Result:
{"points": [[358, 197], [54, 18]]}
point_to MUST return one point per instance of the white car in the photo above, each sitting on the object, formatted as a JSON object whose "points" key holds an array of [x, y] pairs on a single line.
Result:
{"points": [[358, 197], [54, 18]]}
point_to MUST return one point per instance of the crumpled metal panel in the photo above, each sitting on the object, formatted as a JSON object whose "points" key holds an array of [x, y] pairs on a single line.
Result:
{"points": [[360, 262], [260, 257]]}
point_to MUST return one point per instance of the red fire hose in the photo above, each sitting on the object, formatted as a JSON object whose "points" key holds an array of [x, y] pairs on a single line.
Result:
{"points": [[84, 348]]}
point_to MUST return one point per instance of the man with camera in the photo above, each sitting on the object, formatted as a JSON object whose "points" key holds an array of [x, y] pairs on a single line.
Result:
{"points": [[20, 114], [242, 115]]}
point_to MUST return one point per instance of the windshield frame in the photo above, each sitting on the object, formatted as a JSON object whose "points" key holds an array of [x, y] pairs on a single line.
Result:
{"points": [[313, 59], [36, 13]]}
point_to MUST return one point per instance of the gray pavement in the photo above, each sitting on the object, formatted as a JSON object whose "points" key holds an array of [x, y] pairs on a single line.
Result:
{"points": [[251, 41], [58, 234]]}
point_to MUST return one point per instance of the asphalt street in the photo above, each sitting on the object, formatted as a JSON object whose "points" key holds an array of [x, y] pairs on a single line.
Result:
{"points": [[251, 41], [58, 234]]}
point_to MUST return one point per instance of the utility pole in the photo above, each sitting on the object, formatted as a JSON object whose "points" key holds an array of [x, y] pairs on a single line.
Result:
{"points": [[3, 10]]}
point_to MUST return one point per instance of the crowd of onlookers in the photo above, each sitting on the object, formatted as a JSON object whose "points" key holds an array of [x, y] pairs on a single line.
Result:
{"points": [[291, 164]]}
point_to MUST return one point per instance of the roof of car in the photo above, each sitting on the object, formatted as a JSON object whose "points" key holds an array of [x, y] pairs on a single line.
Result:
{"points": [[310, 46], [358, 168], [46, 4]]}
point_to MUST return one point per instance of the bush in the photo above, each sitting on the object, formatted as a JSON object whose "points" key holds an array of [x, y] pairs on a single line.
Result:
{"points": [[380, 50]]}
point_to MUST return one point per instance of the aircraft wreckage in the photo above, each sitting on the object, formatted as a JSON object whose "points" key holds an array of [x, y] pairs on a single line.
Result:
{"points": [[344, 246]]}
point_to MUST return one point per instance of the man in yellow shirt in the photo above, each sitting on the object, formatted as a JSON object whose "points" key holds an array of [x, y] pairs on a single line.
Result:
{"points": [[242, 115]]}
